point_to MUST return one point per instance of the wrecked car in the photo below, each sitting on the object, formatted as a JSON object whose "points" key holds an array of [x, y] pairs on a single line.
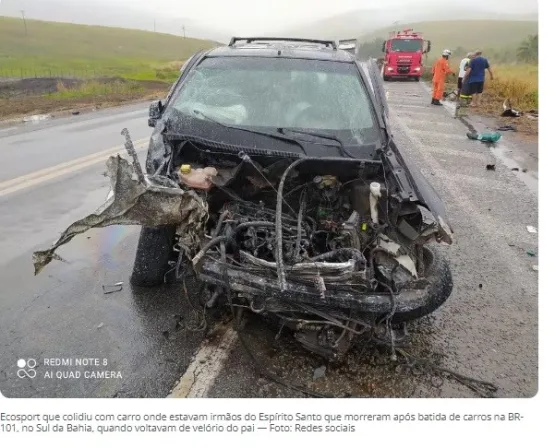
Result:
{"points": [[273, 179]]}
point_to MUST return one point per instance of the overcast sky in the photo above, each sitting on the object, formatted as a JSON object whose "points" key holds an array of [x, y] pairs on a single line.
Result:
{"points": [[260, 16], [253, 16]]}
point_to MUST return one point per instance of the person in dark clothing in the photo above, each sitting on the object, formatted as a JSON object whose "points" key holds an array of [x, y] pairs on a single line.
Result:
{"points": [[476, 76]]}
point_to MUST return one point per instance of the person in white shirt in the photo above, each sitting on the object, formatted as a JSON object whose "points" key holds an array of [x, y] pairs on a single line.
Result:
{"points": [[462, 70]]}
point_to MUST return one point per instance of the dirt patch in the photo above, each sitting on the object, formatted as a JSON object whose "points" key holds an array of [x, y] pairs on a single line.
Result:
{"points": [[38, 95]]}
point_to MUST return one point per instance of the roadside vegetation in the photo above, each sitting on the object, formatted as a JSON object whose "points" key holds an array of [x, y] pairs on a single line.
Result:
{"points": [[49, 66], [64, 49], [499, 39]]}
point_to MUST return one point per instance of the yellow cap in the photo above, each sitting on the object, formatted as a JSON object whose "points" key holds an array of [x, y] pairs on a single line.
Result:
{"points": [[185, 169], [364, 227]]}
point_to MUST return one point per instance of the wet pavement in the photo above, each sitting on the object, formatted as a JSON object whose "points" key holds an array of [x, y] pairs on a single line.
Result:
{"points": [[486, 330], [63, 312]]}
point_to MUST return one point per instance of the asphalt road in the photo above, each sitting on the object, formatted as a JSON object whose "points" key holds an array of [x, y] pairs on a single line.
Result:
{"points": [[487, 330]]}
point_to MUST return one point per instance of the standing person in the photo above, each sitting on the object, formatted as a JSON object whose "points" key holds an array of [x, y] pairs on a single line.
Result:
{"points": [[476, 76], [440, 70], [462, 70]]}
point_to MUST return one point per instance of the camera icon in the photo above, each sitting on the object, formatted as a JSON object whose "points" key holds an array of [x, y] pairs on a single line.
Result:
{"points": [[26, 368]]}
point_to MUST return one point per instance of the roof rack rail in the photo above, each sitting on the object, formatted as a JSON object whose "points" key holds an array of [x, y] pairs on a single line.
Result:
{"points": [[327, 43]]}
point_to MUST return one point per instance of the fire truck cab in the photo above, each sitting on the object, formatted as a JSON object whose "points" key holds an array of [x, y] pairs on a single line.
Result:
{"points": [[403, 55]]}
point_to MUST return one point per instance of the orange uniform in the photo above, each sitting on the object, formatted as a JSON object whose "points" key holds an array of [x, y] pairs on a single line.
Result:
{"points": [[440, 70]]}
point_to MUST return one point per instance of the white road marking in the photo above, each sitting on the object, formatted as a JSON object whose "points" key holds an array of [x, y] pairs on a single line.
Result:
{"points": [[44, 175], [206, 365]]}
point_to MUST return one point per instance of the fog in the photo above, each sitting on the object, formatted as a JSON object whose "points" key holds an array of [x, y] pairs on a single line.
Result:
{"points": [[251, 16]]}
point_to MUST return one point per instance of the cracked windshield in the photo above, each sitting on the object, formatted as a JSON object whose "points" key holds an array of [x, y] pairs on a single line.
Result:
{"points": [[280, 94]]}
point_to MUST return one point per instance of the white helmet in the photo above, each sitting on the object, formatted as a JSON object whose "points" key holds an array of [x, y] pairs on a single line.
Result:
{"points": [[446, 53]]}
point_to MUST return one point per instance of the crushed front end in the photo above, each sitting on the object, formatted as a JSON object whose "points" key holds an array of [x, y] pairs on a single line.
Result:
{"points": [[331, 247], [327, 246]]}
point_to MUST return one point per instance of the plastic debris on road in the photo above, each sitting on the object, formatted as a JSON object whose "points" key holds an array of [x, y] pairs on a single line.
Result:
{"points": [[109, 289], [488, 137], [531, 229]]}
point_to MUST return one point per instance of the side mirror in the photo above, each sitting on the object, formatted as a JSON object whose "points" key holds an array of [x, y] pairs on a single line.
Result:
{"points": [[428, 47], [154, 113], [383, 47]]}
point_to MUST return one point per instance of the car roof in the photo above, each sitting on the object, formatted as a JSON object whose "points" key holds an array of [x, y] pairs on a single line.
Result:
{"points": [[283, 47]]}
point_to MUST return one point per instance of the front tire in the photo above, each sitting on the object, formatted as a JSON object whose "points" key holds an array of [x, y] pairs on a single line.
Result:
{"points": [[439, 274], [154, 252]]}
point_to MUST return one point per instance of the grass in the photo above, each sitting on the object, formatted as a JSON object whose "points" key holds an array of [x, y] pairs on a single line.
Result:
{"points": [[63, 49], [518, 82], [498, 38]]}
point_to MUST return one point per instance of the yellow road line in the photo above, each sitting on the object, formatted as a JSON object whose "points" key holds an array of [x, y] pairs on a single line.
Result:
{"points": [[44, 175]]}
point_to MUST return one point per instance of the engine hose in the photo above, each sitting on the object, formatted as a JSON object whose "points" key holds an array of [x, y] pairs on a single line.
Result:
{"points": [[226, 238], [213, 242], [279, 231], [299, 226], [279, 207], [224, 215], [354, 253]]}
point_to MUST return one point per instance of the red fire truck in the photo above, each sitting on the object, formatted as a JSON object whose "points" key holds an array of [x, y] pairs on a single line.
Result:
{"points": [[403, 54]]}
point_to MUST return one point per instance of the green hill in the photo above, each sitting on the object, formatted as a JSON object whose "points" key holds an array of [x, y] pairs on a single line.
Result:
{"points": [[499, 37], [67, 48]]}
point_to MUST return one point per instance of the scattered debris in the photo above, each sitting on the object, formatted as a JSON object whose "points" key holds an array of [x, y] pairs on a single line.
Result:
{"points": [[486, 137], [480, 286], [36, 118], [75, 112], [531, 253], [515, 169], [535, 267], [320, 372], [508, 110], [532, 114], [109, 289], [490, 167], [506, 128], [100, 325], [524, 170], [531, 229]]}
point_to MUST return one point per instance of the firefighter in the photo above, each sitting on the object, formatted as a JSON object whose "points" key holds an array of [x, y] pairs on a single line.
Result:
{"points": [[439, 71]]}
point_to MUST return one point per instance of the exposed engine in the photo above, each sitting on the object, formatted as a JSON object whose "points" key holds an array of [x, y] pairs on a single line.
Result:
{"points": [[331, 246], [309, 245]]}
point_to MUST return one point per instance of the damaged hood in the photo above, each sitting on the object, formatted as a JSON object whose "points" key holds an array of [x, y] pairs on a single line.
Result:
{"points": [[155, 202]]}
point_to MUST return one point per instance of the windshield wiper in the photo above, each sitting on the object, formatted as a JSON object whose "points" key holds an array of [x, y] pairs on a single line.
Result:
{"points": [[267, 134], [341, 146]]}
